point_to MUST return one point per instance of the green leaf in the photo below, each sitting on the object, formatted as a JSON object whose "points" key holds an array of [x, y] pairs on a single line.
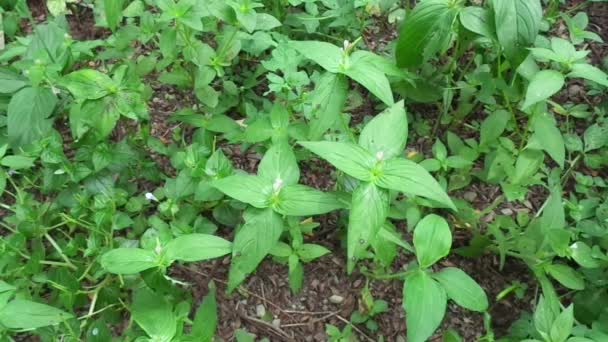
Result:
{"points": [[563, 324], [517, 23], [462, 289], [493, 127], [154, 315], [17, 162], [28, 112], [301, 200], [549, 138], [426, 31], [424, 302], [543, 85], [25, 314], [582, 254], [309, 252], [197, 247], [365, 71], [249, 189], [11, 82], [279, 165], [589, 72], [128, 260], [252, 242], [410, 178], [596, 137], [432, 240], [544, 316], [205, 320], [478, 20], [352, 159], [566, 276], [113, 12], [368, 211], [327, 101], [327, 55], [386, 134], [89, 84]]}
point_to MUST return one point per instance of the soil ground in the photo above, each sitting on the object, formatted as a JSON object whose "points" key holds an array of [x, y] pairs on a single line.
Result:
{"points": [[303, 317]]}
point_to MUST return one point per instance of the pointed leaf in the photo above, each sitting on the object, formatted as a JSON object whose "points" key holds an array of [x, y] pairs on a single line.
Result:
{"points": [[279, 163], [543, 85], [517, 23], [432, 240], [154, 315], [301, 200], [327, 55], [368, 211], [252, 242], [128, 260], [205, 320], [386, 134], [352, 159], [408, 177], [25, 314], [462, 289], [424, 301], [197, 247], [249, 189], [365, 72], [425, 31], [28, 112], [327, 100]]}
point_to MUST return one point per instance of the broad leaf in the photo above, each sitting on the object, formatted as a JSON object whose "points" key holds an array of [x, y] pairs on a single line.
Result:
{"points": [[364, 70], [197, 247], [517, 23], [589, 72], [327, 55], [113, 12], [25, 314], [309, 252], [542, 86], [566, 276], [252, 242], [205, 320], [249, 189], [462, 289], [154, 315], [478, 20], [432, 240], [549, 138], [408, 177], [562, 326], [128, 260], [347, 157], [89, 84], [279, 165], [28, 115], [301, 200], [327, 100], [493, 127], [424, 301], [386, 134], [426, 31], [368, 212]]}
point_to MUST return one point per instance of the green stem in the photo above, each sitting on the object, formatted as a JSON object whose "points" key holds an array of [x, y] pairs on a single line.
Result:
{"points": [[60, 251]]}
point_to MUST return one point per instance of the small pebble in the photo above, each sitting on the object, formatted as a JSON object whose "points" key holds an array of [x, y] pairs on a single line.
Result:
{"points": [[335, 299], [276, 323], [507, 211], [469, 196], [260, 310]]}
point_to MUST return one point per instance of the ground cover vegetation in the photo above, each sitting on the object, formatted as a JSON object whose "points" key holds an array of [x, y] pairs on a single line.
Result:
{"points": [[304, 170]]}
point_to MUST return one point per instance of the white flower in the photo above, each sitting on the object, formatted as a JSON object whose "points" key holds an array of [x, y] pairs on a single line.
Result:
{"points": [[380, 155], [278, 184], [150, 197], [346, 44]]}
